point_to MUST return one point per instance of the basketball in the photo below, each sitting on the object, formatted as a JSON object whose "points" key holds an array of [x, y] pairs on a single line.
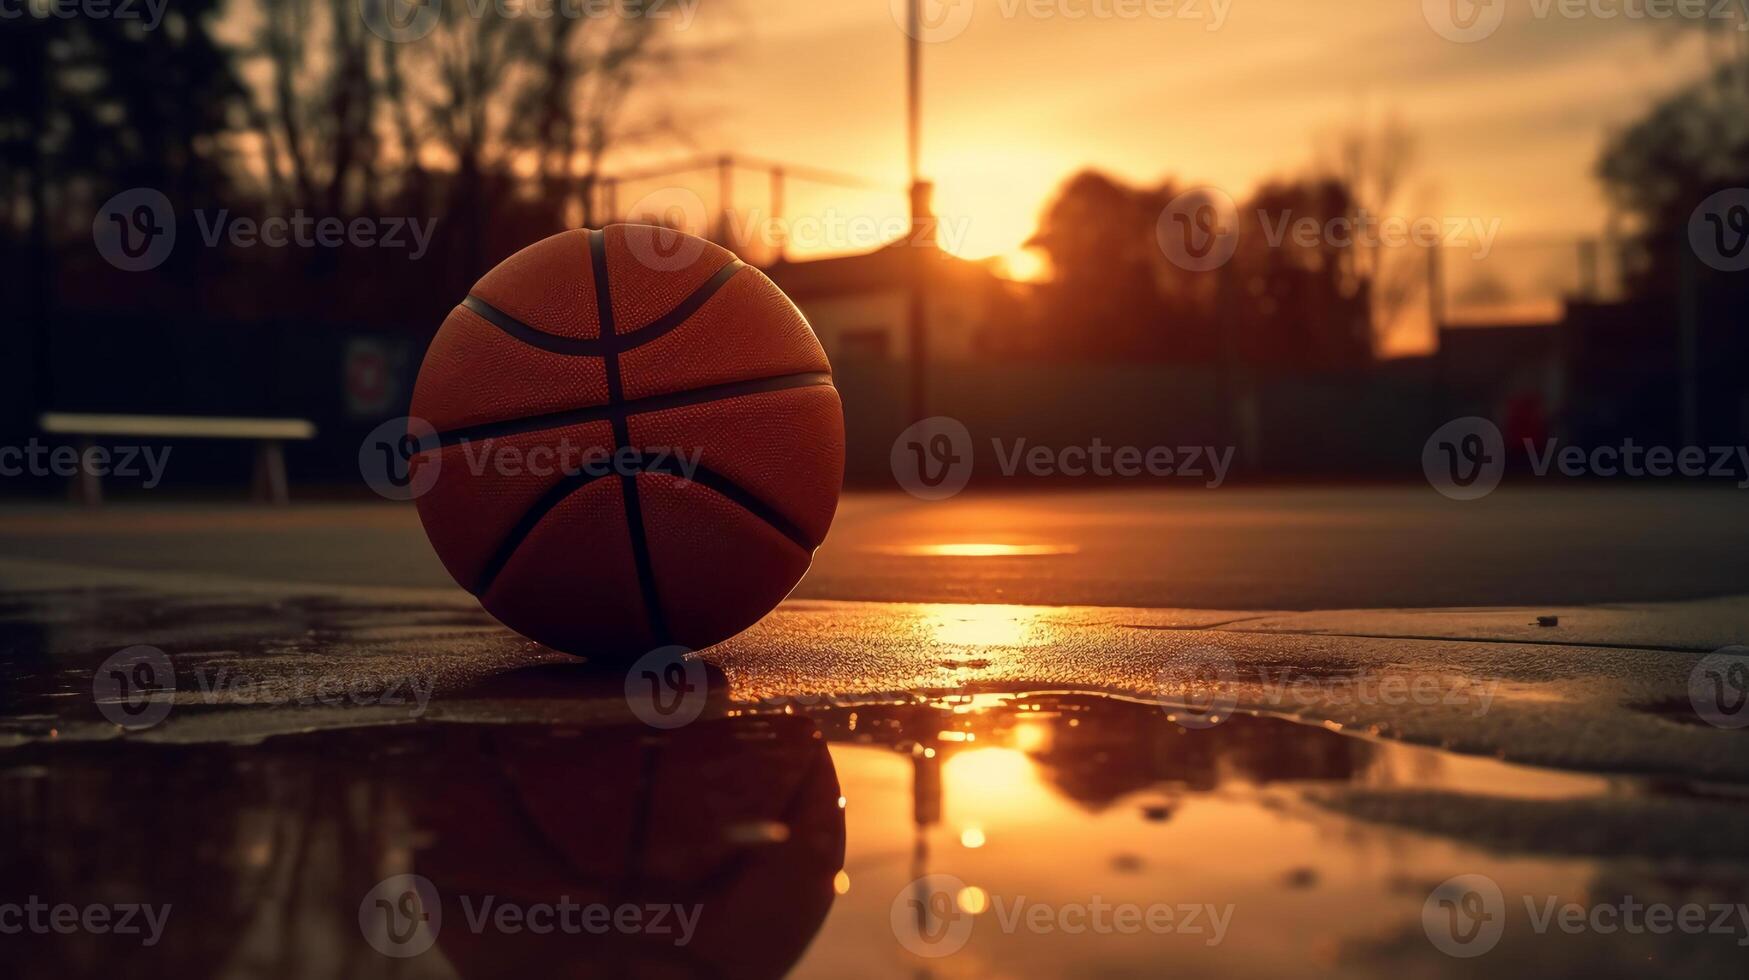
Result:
{"points": [[630, 439]]}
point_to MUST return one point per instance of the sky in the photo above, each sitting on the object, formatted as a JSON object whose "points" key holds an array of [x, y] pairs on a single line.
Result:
{"points": [[1509, 101], [1230, 93]]}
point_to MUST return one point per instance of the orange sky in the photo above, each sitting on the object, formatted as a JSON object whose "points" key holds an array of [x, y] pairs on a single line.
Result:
{"points": [[1020, 94], [1510, 125]]}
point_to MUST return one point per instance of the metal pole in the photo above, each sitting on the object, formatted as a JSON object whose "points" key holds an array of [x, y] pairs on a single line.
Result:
{"points": [[1435, 292], [1436, 319], [1688, 343], [781, 239], [1589, 283], [918, 312], [725, 198], [914, 86]]}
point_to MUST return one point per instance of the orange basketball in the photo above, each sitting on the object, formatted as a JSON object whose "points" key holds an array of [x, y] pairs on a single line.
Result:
{"points": [[634, 441]]}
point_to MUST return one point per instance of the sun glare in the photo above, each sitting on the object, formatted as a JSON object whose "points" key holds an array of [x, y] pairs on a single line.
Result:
{"points": [[1024, 265], [984, 625], [972, 900], [978, 549], [989, 192]]}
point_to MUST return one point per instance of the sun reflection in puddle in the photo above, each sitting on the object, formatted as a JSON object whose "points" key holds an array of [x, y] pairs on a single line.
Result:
{"points": [[983, 625], [1064, 800]]}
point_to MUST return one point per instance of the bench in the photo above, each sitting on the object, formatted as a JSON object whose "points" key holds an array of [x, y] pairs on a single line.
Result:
{"points": [[269, 436]]}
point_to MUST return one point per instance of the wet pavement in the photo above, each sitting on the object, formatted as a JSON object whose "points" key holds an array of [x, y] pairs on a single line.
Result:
{"points": [[1301, 548], [289, 780], [905, 838]]}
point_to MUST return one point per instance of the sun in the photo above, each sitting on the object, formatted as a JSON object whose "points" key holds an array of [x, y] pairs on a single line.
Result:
{"points": [[1024, 265], [987, 203]]}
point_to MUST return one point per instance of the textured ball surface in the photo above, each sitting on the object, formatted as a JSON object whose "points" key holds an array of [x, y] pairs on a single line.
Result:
{"points": [[638, 442]]}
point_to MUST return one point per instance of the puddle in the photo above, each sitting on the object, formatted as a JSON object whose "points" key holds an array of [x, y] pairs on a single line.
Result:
{"points": [[1047, 834]]}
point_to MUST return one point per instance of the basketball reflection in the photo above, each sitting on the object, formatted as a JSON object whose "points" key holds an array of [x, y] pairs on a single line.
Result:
{"points": [[711, 850], [725, 837]]}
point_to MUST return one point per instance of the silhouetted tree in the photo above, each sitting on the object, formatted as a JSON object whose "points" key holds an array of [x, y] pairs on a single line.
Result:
{"points": [[92, 107], [1114, 293], [1374, 162], [1103, 299], [493, 124], [1659, 169], [314, 111], [1298, 299], [575, 110]]}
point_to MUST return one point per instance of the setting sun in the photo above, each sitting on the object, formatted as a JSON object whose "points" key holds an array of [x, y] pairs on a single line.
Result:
{"points": [[1024, 265]]}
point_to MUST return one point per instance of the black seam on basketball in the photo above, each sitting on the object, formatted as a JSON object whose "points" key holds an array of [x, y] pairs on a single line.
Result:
{"points": [[525, 525], [736, 494], [575, 482], [628, 483], [571, 346], [633, 406], [604, 313], [609, 341], [682, 313]]}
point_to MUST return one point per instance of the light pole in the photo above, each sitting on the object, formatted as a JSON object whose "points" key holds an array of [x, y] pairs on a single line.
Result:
{"points": [[921, 240]]}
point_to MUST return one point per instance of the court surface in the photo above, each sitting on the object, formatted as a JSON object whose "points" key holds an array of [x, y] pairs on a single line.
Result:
{"points": [[1302, 712], [1235, 548]]}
